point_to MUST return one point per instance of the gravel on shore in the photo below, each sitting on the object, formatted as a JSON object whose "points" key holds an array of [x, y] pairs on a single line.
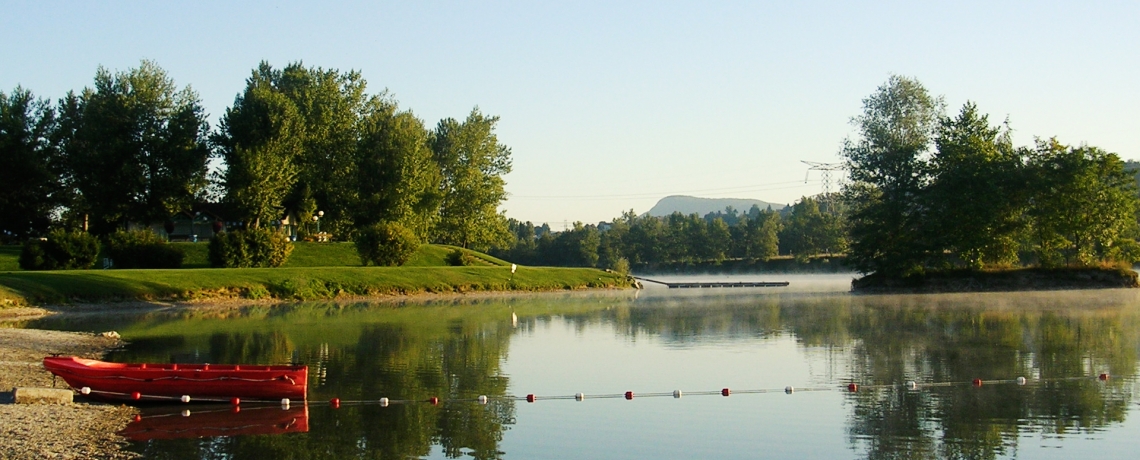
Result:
{"points": [[78, 430]]}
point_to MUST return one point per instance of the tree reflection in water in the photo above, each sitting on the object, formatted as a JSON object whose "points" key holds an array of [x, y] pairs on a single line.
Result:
{"points": [[455, 351]]}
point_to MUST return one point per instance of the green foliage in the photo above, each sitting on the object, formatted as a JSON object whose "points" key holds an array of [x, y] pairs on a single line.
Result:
{"points": [[260, 140], [61, 250], [31, 181], [460, 258], [1084, 205], [398, 179], [807, 231], [620, 266], [136, 147], [254, 247], [386, 244], [142, 249], [887, 174], [472, 163], [977, 196]]}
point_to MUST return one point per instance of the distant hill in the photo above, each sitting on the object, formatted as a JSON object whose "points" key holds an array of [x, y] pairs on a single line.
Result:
{"points": [[691, 204]]}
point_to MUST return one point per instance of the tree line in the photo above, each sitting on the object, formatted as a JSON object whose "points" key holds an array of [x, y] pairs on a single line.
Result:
{"points": [[930, 191], [927, 191], [136, 149], [801, 230]]}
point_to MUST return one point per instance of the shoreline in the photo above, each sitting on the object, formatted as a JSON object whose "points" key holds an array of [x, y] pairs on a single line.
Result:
{"points": [[77, 430], [1007, 280]]}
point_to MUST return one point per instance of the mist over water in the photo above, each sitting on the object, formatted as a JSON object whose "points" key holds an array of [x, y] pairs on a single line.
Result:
{"points": [[813, 335]]}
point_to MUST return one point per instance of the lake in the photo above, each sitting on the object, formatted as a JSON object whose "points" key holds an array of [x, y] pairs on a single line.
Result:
{"points": [[812, 336]]}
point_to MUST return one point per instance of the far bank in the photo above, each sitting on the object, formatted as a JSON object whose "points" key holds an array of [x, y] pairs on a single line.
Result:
{"points": [[1023, 279]]}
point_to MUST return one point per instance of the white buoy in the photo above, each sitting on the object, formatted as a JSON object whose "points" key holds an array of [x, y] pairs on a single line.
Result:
{"points": [[579, 396], [85, 390], [789, 389], [185, 398], [185, 412], [383, 402], [911, 385], [677, 393], [1021, 380], [514, 319], [482, 399]]}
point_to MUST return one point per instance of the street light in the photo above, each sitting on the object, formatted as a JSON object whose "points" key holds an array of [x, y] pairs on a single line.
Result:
{"points": [[317, 219]]}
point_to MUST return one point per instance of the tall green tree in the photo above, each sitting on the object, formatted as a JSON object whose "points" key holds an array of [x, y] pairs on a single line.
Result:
{"points": [[757, 235], [1084, 204], [31, 187], [136, 146], [976, 198], [472, 163], [397, 178], [332, 104], [886, 163], [260, 141]]}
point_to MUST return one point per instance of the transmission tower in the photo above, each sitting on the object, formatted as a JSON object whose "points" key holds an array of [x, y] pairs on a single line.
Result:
{"points": [[825, 170]]}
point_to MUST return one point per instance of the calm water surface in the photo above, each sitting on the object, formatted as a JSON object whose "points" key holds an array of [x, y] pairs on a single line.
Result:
{"points": [[812, 336]]}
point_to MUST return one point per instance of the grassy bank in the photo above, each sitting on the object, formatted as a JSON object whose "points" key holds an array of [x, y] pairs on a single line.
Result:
{"points": [[1024, 279], [53, 287]]}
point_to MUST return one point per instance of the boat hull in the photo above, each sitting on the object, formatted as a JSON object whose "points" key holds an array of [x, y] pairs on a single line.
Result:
{"points": [[170, 382]]}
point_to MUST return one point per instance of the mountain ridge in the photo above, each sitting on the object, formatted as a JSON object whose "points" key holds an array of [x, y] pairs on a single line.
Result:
{"points": [[686, 204]]}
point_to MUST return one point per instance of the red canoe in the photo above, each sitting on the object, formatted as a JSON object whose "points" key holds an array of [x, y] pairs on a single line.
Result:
{"points": [[170, 382]]}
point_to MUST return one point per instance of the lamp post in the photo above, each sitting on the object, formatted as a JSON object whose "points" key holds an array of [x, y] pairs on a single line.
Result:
{"points": [[317, 219]]}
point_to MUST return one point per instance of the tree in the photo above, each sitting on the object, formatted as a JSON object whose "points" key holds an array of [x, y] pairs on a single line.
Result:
{"points": [[886, 163], [136, 146], [332, 105], [1084, 204], [976, 198], [757, 235], [397, 178], [472, 163], [31, 187], [260, 140]]}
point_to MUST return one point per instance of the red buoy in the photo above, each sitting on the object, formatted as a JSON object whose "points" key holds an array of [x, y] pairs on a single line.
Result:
{"points": [[137, 418], [977, 382], [335, 403], [235, 409], [1103, 376], [725, 392], [136, 396], [629, 395], [434, 400], [852, 387], [529, 398], [235, 401]]}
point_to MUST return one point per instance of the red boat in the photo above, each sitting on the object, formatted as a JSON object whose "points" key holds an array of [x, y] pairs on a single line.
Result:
{"points": [[180, 382]]}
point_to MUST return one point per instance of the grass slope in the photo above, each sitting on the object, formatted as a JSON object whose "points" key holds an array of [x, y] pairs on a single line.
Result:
{"points": [[28, 287]]}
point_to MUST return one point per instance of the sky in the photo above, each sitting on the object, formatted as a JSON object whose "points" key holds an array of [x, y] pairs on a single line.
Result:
{"points": [[609, 106]]}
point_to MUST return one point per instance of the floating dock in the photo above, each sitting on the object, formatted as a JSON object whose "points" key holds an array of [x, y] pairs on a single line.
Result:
{"points": [[715, 284]]}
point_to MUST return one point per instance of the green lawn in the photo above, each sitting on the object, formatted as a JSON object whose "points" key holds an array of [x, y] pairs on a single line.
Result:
{"points": [[9, 257], [53, 287]]}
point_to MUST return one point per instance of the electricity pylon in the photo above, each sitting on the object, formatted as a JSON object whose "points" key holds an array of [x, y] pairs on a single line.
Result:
{"points": [[825, 170]]}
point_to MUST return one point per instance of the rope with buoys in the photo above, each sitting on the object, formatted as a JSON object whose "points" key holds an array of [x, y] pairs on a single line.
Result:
{"points": [[852, 387]]}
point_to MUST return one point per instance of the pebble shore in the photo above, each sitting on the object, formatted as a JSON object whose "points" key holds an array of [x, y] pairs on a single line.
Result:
{"points": [[79, 430]]}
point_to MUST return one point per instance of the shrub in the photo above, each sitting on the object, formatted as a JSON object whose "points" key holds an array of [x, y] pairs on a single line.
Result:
{"points": [[142, 249], [461, 258], [255, 247], [386, 244], [621, 266], [62, 250]]}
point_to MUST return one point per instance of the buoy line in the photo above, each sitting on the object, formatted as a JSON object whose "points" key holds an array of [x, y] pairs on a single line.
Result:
{"points": [[851, 387]]}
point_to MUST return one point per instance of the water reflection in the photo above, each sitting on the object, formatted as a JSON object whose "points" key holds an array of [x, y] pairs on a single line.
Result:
{"points": [[457, 351]]}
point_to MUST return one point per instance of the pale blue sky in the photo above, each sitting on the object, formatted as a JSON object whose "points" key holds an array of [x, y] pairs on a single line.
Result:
{"points": [[609, 106]]}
